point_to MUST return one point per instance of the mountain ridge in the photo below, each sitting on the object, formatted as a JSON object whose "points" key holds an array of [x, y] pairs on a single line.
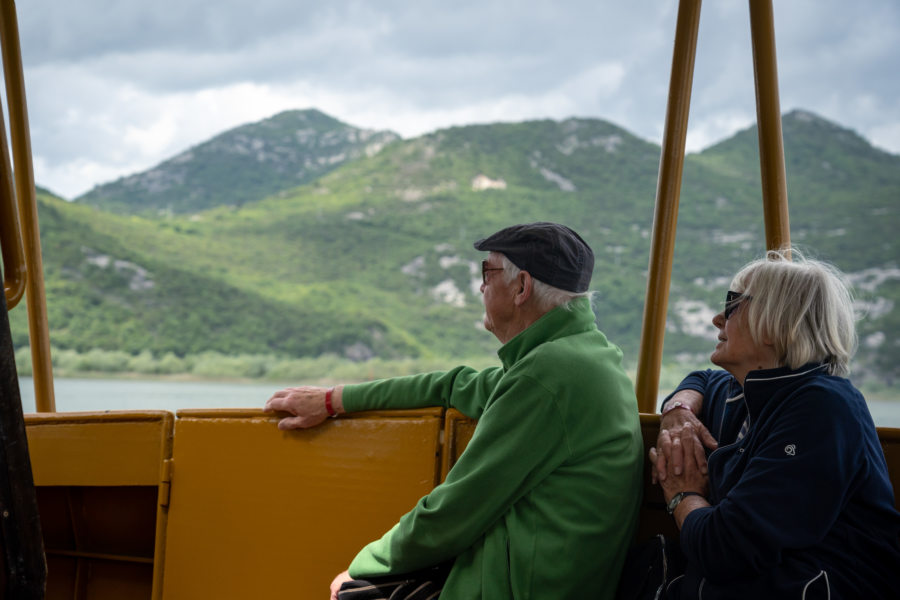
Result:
{"points": [[374, 257], [241, 164]]}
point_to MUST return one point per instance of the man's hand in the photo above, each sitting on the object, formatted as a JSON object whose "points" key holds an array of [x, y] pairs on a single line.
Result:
{"points": [[336, 583], [306, 404], [669, 449]]}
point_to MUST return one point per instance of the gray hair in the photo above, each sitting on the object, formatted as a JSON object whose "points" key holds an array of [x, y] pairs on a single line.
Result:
{"points": [[803, 306], [546, 296]]}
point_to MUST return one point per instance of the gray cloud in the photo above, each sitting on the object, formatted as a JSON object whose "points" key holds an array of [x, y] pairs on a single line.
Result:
{"points": [[116, 87]]}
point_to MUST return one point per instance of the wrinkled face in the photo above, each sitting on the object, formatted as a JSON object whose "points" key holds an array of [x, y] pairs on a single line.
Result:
{"points": [[498, 297], [736, 351]]}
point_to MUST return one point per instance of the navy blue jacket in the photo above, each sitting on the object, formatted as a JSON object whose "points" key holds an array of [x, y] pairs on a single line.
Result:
{"points": [[802, 506]]}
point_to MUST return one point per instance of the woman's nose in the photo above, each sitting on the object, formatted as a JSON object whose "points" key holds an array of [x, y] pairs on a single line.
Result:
{"points": [[719, 320]]}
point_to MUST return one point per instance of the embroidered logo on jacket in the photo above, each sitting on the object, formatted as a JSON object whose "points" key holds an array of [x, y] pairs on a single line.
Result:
{"points": [[790, 449]]}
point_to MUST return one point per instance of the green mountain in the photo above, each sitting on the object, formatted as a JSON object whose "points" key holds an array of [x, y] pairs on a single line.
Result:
{"points": [[241, 165], [375, 258], [844, 204]]}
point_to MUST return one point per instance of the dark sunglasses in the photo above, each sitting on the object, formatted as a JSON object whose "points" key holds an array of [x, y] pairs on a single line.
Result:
{"points": [[732, 301], [484, 270]]}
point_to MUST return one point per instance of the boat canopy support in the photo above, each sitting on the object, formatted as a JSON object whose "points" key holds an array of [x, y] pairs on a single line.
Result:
{"points": [[38, 329], [671, 164]]}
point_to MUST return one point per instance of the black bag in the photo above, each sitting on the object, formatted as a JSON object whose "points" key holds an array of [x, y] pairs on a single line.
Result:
{"points": [[421, 585], [649, 567]]}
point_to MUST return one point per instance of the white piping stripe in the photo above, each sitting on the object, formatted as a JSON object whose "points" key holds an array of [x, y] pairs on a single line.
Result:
{"points": [[665, 565], [738, 397], [784, 376], [669, 585], [810, 582]]}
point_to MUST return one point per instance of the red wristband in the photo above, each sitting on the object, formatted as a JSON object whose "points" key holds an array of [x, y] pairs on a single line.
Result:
{"points": [[328, 405], [675, 405]]}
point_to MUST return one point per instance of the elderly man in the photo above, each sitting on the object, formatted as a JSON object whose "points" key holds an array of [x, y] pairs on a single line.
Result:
{"points": [[544, 500]]}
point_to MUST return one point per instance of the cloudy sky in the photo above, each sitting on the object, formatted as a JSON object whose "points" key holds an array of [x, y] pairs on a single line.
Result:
{"points": [[115, 87]]}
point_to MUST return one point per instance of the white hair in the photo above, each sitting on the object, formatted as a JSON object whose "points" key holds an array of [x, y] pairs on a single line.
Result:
{"points": [[545, 296], [803, 306]]}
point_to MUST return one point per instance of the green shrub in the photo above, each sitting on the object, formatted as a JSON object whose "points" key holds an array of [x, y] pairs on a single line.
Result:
{"points": [[103, 361], [23, 362], [169, 364], [216, 365]]}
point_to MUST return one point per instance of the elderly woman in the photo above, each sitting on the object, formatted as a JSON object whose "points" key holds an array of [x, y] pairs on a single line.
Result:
{"points": [[794, 501]]}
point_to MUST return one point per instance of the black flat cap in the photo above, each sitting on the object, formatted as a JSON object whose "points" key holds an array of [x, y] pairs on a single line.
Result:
{"points": [[551, 253]]}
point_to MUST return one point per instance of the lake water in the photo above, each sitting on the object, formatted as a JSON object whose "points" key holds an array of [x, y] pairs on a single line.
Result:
{"points": [[129, 394], [73, 395]]}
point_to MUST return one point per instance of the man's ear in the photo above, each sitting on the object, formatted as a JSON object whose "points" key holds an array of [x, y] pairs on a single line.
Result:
{"points": [[525, 283]]}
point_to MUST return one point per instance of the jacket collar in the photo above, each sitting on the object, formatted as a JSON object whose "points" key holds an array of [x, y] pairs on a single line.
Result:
{"points": [[554, 324], [760, 386]]}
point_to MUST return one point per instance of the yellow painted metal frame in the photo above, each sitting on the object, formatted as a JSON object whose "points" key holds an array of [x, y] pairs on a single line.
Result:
{"points": [[39, 332], [241, 509], [14, 271], [102, 482], [768, 116], [671, 166], [458, 430], [260, 513], [665, 218]]}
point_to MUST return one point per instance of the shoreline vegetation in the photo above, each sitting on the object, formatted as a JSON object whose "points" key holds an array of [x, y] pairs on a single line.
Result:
{"points": [[327, 369]]}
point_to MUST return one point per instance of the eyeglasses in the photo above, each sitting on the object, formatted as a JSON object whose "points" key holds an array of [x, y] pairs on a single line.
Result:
{"points": [[484, 271], [732, 301]]}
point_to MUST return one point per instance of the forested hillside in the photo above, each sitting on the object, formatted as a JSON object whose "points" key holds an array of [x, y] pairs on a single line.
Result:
{"points": [[374, 257], [241, 165]]}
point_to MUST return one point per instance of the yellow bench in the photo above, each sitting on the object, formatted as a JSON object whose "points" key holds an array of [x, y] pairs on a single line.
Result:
{"points": [[97, 478], [260, 513], [221, 504]]}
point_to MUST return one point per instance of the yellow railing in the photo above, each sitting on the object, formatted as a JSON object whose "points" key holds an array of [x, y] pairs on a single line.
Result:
{"points": [[665, 219], [768, 117], [14, 271], [145, 504], [664, 224], [38, 329]]}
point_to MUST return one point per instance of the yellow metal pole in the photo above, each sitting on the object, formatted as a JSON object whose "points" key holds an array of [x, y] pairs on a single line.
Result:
{"points": [[38, 328], [768, 117], [14, 271], [668, 190]]}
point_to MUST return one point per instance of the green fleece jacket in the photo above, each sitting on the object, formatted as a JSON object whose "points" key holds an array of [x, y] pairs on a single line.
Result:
{"points": [[543, 502]]}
